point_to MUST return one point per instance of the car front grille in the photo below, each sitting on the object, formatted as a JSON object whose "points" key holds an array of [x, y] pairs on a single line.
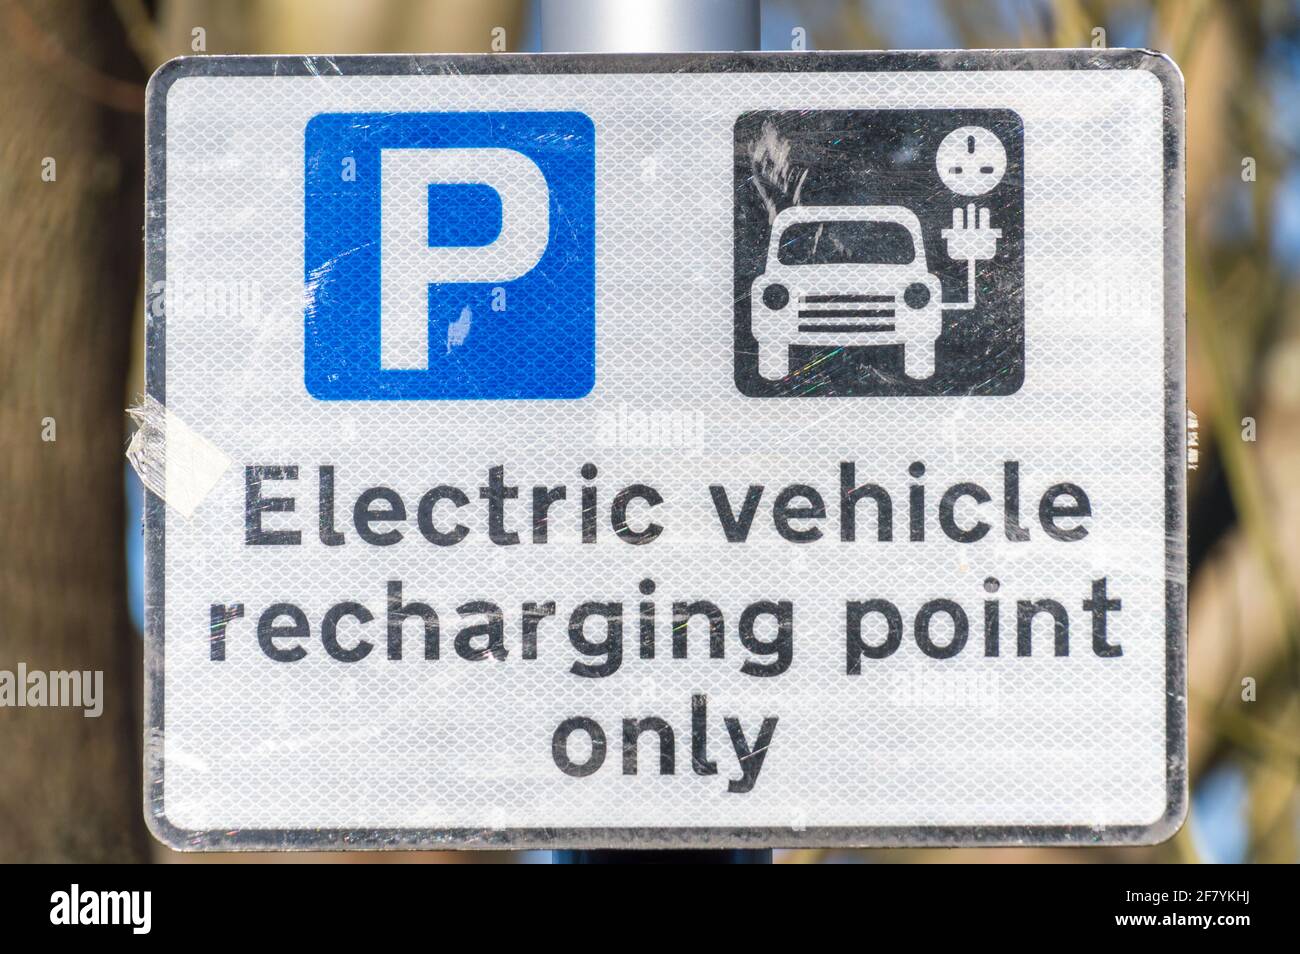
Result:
{"points": [[841, 328], [846, 306]]}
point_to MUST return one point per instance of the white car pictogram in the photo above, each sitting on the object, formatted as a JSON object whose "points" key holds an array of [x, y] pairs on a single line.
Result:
{"points": [[844, 276]]}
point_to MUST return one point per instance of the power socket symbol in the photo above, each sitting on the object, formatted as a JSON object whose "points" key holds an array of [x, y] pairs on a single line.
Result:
{"points": [[879, 252], [971, 160]]}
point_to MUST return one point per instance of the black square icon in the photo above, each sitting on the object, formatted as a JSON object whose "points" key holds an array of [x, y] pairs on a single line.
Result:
{"points": [[879, 252]]}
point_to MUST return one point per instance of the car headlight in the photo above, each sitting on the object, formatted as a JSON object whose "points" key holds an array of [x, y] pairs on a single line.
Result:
{"points": [[916, 295], [776, 296]]}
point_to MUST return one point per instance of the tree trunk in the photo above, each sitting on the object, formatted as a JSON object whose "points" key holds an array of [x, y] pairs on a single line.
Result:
{"points": [[69, 92]]}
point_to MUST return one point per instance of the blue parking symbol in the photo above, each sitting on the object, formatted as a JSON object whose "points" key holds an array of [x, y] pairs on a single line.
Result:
{"points": [[450, 256]]}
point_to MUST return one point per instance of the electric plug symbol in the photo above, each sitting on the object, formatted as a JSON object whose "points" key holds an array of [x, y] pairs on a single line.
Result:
{"points": [[973, 239]]}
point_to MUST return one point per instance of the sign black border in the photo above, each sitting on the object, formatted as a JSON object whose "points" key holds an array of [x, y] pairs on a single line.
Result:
{"points": [[325, 67]]}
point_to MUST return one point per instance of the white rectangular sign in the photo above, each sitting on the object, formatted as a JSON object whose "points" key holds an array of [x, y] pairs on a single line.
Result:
{"points": [[711, 449]]}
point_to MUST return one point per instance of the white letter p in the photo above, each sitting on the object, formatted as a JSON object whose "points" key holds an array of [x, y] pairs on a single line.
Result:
{"points": [[408, 264]]}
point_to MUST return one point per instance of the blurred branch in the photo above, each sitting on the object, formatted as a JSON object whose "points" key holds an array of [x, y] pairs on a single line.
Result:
{"points": [[140, 33], [847, 27], [1248, 489], [301, 27], [72, 785], [40, 46]]}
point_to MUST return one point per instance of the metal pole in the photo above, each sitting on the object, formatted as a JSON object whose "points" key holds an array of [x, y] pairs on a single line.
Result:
{"points": [[652, 26], [649, 26]]}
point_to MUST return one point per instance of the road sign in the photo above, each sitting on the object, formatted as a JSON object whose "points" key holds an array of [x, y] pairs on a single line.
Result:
{"points": [[726, 449]]}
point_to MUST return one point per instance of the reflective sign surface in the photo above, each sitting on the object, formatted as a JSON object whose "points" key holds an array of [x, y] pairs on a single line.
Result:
{"points": [[735, 449]]}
